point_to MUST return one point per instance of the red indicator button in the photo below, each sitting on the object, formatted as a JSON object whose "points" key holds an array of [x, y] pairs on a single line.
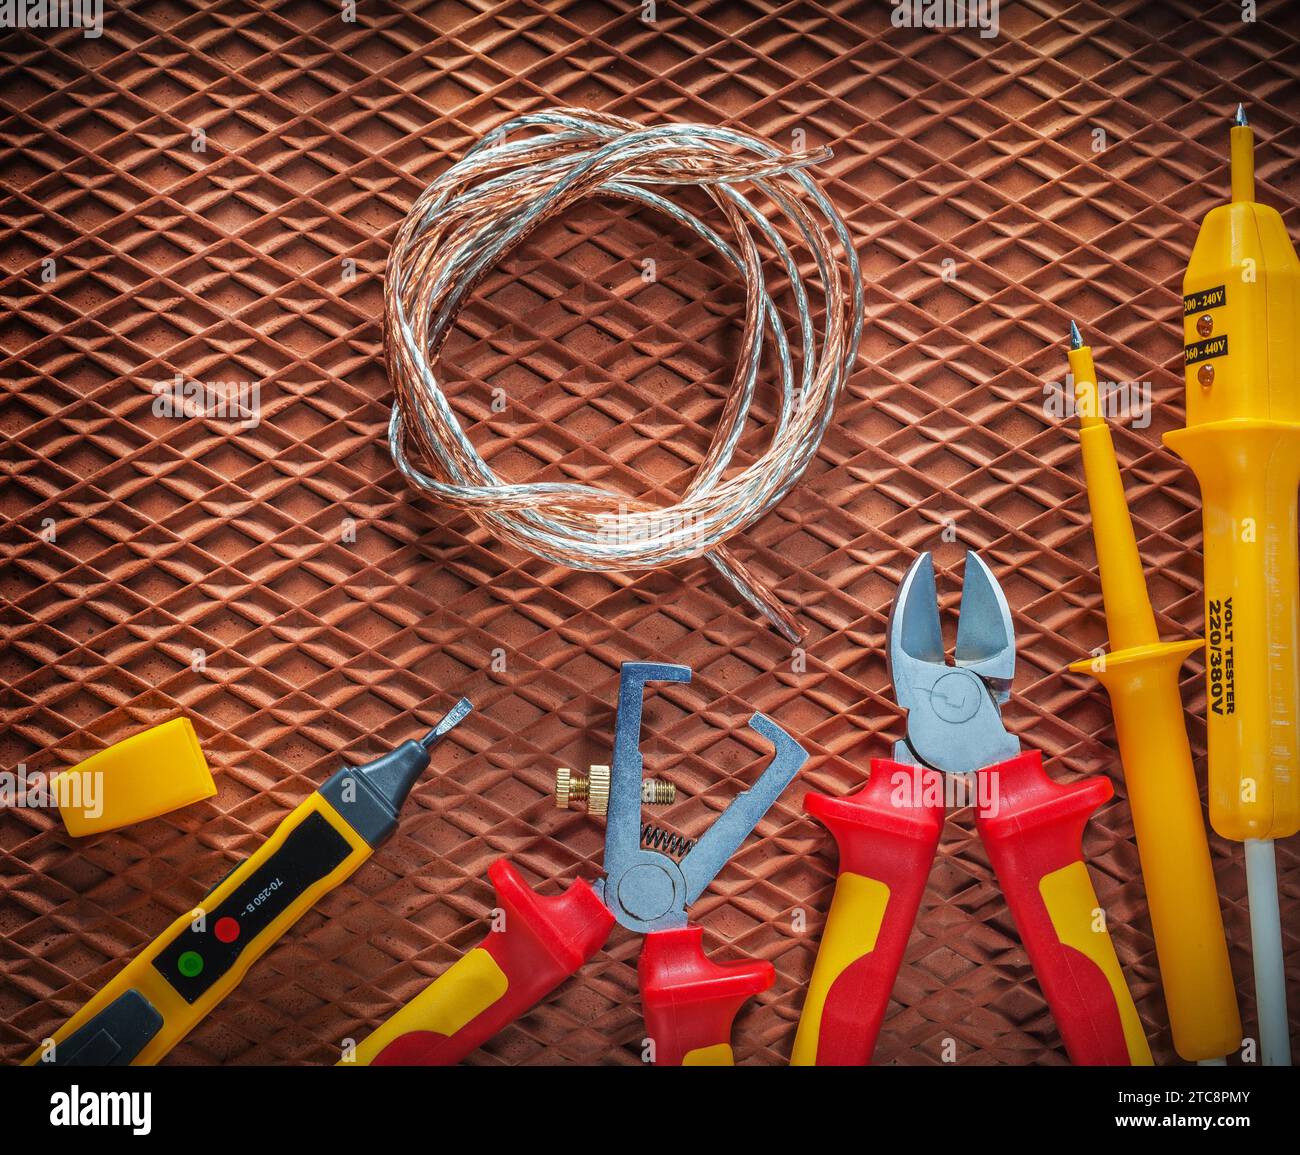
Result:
{"points": [[226, 930]]}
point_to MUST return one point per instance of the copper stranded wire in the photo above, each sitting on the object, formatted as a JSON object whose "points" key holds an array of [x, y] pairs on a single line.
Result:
{"points": [[532, 168]]}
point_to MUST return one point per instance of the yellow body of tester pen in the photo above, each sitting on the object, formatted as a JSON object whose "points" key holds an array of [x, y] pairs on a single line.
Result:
{"points": [[163, 993], [1241, 350], [1241, 305]]}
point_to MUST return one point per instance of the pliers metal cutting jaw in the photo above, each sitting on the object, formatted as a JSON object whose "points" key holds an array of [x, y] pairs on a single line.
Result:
{"points": [[954, 715]]}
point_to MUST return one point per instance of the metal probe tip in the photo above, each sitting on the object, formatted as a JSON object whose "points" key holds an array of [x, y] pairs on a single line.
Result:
{"points": [[1076, 338], [1240, 118], [450, 721]]}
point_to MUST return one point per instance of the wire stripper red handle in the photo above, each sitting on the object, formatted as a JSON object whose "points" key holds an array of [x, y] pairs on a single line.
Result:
{"points": [[689, 1001], [887, 834], [543, 942], [1034, 835]]}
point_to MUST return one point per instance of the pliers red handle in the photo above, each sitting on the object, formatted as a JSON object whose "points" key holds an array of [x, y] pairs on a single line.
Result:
{"points": [[689, 1001], [536, 943]]}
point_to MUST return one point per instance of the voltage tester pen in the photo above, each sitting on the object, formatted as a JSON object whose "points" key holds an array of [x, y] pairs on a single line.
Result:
{"points": [[1241, 307], [167, 990]]}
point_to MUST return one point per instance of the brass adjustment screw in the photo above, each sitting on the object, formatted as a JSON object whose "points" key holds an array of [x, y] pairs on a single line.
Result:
{"points": [[594, 790]]}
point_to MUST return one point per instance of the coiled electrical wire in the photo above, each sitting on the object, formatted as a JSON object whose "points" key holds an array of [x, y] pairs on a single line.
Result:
{"points": [[528, 170]]}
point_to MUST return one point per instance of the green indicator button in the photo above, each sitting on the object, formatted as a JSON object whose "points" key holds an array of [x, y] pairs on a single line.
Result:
{"points": [[190, 964]]}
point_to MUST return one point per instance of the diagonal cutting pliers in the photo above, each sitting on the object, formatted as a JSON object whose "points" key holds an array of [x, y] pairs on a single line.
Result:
{"points": [[688, 1001], [888, 834]]}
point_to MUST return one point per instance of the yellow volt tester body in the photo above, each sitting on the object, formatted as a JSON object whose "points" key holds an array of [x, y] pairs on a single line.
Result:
{"points": [[1241, 347], [169, 988]]}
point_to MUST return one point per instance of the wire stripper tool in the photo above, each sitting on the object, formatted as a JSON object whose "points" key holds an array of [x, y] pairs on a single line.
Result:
{"points": [[171, 986], [888, 833], [688, 1000]]}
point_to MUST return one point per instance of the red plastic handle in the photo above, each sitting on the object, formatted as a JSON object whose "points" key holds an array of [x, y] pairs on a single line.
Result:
{"points": [[543, 942], [689, 1001], [887, 834], [1033, 829]]}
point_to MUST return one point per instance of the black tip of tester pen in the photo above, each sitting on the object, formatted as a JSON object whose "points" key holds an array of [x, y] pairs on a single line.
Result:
{"points": [[450, 721], [393, 775], [369, 797]]}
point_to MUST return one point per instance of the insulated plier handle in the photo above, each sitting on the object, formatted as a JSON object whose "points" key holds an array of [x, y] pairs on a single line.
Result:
{"points": [[886, 845], [536, 943]]}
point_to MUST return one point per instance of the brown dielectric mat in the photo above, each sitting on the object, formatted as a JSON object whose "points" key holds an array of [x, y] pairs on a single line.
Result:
{"points": [[217, 187]]}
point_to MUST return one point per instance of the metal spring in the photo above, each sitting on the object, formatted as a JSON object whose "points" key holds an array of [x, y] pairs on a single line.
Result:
{"points": [[657, 838], [537, 165]]}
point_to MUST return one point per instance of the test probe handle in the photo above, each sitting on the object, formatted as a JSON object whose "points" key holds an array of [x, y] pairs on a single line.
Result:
{"points": [[535, 944], [1182, 897], [689, 1001], [887, 834], [1033, 830]]}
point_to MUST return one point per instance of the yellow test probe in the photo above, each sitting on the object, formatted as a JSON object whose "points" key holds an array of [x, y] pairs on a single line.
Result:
{"points": [[168, 988], [1241, 348], [1140, 673]]}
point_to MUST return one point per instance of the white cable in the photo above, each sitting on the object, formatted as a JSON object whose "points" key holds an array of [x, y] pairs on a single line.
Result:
{"points": [[1266, 945]]}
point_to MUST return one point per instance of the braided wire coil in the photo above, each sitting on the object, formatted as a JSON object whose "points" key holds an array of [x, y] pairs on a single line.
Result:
{"points": [[535, 166]]}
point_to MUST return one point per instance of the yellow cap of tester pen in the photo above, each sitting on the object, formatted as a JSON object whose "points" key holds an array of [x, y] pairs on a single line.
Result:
{"points": [[151, 773]]}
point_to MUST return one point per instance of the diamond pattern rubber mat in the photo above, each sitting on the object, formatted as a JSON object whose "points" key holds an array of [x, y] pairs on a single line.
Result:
{"points": [[210, 190]]}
